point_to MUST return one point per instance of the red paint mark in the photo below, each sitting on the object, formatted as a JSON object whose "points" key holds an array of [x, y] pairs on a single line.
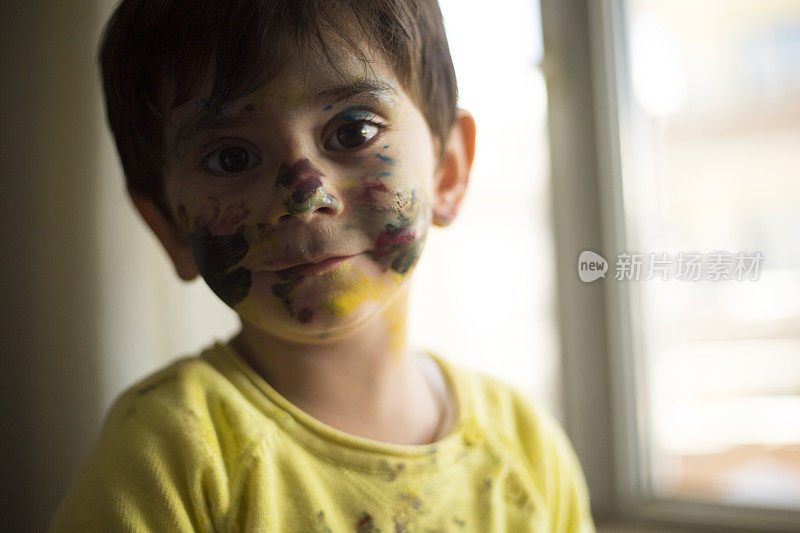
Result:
{"points": [[391, 239], [370, 189], [228, 221]]}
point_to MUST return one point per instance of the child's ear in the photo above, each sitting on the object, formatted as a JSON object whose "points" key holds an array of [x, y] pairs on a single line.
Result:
{"points": [[453, 172], [169, 234]]}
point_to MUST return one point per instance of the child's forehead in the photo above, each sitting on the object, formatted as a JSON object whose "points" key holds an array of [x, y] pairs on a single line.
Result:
{"points": [[320, 81], [311, 80]]}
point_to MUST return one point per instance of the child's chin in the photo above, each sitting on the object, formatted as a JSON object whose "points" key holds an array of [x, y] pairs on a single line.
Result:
{"points": [[308, 325], [317, 307]]}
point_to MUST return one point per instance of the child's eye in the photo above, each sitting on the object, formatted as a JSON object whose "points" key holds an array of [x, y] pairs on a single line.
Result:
{"points": [[231, 160], [352, 135]]}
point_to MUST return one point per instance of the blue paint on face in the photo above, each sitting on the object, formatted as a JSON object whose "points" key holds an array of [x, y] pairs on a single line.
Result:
{"points": [[385, 158], [356, 114], [327, 108]]}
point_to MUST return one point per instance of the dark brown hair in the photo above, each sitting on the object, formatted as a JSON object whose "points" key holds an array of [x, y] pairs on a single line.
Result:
{"points": [[154, 45]]}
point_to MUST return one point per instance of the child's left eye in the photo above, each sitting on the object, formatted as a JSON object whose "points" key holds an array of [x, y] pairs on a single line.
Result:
{"points": [[352, 135]]}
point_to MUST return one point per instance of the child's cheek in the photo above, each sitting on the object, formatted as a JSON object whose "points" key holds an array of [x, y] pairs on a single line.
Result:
{"points": [[218, 243], [397, 210]]}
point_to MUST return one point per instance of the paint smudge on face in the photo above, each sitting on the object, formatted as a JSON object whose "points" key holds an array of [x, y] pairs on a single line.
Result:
{"points": [[402, 241], [305, 315], [404, 201], [371, 191], [385, 158], [282, 291], [395, 318], [263, 245], [228, 220], [355, 113], [393, 237], [407, 259], [305, 185], [215, 255], [327, 108], [344, 301]]}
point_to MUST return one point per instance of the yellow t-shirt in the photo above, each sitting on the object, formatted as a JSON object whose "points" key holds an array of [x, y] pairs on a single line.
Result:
{"points": [[207, 445]]}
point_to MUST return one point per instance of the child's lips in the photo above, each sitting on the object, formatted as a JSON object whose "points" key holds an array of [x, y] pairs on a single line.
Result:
{"points": [[311, 268]]}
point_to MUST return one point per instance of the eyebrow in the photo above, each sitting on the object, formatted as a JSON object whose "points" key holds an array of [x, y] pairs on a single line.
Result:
{"points": [[370, 88], [209, 121]]}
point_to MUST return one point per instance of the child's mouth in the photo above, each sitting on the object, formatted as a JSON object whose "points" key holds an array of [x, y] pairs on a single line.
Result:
{"points": [[309, 269]]}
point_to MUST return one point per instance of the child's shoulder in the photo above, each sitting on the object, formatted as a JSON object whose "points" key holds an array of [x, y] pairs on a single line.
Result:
{"points": [[179, 384], [187, 399], [165, 441]]}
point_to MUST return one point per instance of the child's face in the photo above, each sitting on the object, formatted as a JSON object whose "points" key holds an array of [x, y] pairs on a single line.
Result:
{"points": [[312, 168]]}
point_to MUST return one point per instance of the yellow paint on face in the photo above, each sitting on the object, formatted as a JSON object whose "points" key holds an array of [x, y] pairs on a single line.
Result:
{"points": [[264, 245], [359, 288], [395, 316]]}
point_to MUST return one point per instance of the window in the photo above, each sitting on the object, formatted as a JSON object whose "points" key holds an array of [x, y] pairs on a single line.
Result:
{"points": [[691, 111], [713, 164]]}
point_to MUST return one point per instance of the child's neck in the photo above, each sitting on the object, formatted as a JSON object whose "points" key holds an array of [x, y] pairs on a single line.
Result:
{"points": [[367, 383]]}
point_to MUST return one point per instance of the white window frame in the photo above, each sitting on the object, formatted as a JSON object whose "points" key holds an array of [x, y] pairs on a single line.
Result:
{"points": [[585, 65]]}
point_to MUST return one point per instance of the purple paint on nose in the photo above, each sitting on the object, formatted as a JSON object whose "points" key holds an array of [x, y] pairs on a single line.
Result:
{"points": [[290, 176], [306, 189]]}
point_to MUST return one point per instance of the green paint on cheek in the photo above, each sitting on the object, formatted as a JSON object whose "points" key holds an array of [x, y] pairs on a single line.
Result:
{"points": [[407, 258]]}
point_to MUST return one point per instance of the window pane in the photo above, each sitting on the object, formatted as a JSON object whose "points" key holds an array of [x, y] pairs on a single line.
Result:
{"points": [[712, 164]]}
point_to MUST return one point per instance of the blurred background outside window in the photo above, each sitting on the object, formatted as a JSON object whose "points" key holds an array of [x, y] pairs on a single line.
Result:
{"points": [[712, 163]]}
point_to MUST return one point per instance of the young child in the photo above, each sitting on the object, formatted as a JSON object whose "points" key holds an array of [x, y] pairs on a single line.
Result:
{"points": [[294, 153]]}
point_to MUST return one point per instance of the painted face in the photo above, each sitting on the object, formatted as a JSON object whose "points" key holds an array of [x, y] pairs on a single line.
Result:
{"points": [[306, 203]]}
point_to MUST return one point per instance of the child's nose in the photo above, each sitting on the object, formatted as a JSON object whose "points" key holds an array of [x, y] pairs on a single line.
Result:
{"points": [[301, 193]]}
